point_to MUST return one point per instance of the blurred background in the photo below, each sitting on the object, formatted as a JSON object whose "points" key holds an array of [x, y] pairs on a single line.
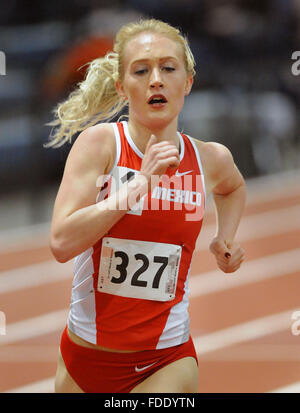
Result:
{"points": [[246, 95]]}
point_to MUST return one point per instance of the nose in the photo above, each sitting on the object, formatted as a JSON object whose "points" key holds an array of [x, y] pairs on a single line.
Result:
{"points": [[156, 80]]}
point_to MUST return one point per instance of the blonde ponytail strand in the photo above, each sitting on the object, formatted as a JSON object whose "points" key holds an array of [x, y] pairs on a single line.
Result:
{"points": [[94, 100]]}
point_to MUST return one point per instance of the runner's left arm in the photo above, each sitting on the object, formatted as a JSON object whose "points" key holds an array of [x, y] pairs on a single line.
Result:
{"points": [[229, 194]]}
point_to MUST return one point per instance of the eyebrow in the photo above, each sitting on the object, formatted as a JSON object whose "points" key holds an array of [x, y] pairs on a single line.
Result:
{"points": [[147, 60]]}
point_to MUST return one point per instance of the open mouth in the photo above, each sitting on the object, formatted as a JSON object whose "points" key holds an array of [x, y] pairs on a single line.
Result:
{"points": [[157, 100]]}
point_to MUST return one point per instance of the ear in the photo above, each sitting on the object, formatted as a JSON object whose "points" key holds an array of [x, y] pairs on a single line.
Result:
{"points": [[188, 85], [120, 90]]}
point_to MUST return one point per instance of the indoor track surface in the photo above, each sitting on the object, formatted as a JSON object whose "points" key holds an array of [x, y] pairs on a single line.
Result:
{"points": [[245, 325]]}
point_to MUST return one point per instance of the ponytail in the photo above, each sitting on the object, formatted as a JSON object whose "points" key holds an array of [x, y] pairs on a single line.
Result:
{"points": [[95, 99]]}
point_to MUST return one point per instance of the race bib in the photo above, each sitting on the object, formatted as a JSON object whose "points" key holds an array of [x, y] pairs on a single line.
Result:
{"points": [[139, 269]]}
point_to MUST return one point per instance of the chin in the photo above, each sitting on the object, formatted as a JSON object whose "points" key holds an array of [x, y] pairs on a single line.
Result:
{"points": [[160, 120]]}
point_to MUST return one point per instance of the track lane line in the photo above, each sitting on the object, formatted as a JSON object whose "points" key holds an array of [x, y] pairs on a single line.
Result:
{"points": [[35, 327], [244, 332], [251, 228], [256, 226], [42, 386], [34, 275], [51, 379], [259, 190], [249, 330], [255, 270], [244, 352], [290, 388], [47, 386], [204, 344]]}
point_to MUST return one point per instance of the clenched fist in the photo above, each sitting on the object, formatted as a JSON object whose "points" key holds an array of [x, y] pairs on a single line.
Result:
{"points": [[229, 256], [158, 157]]}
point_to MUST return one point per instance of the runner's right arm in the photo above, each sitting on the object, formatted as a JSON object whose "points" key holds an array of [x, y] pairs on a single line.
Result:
{"points": [[78, 221]]}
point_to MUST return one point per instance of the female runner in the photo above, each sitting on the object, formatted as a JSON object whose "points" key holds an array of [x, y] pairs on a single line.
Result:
{"points": [[129, 210]]}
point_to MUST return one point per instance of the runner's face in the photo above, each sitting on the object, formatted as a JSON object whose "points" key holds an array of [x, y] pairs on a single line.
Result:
{"points": [[155, 80]]}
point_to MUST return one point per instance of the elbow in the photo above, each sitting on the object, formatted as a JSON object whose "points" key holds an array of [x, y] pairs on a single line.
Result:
{"points": [[59, 250], [243, 189]]}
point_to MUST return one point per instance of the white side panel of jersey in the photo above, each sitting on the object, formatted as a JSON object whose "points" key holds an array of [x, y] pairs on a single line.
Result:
{"points": [[82, 315], [199, 164], [177, 328]]}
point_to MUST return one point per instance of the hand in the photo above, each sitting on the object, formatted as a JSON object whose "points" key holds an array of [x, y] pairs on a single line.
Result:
{"points": [[158, 157], [229, 255]]}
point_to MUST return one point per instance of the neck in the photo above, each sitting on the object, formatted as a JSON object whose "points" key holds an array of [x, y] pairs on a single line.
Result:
{"points": [[141, 133]]}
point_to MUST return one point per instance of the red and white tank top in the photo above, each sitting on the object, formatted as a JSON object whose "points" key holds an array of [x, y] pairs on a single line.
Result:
{"points": [[130, 290]]}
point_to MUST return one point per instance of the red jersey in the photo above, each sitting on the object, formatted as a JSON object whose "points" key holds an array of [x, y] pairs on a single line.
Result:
{"points": [[130, 290]]}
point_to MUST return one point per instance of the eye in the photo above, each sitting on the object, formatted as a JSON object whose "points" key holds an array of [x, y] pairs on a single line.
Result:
{"points": [[168, 68], [140, 71]]}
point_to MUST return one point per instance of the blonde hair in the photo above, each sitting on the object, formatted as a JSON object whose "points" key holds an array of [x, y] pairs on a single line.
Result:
{"points": [[96, 98]]}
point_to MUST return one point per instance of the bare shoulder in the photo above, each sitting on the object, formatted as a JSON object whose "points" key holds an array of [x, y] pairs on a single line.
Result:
{"points": [[216, 161], [213, 151], [89, 158], [94, 146]]}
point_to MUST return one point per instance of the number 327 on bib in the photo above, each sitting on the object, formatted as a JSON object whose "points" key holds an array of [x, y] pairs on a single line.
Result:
{"points": [[139, 269]]}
